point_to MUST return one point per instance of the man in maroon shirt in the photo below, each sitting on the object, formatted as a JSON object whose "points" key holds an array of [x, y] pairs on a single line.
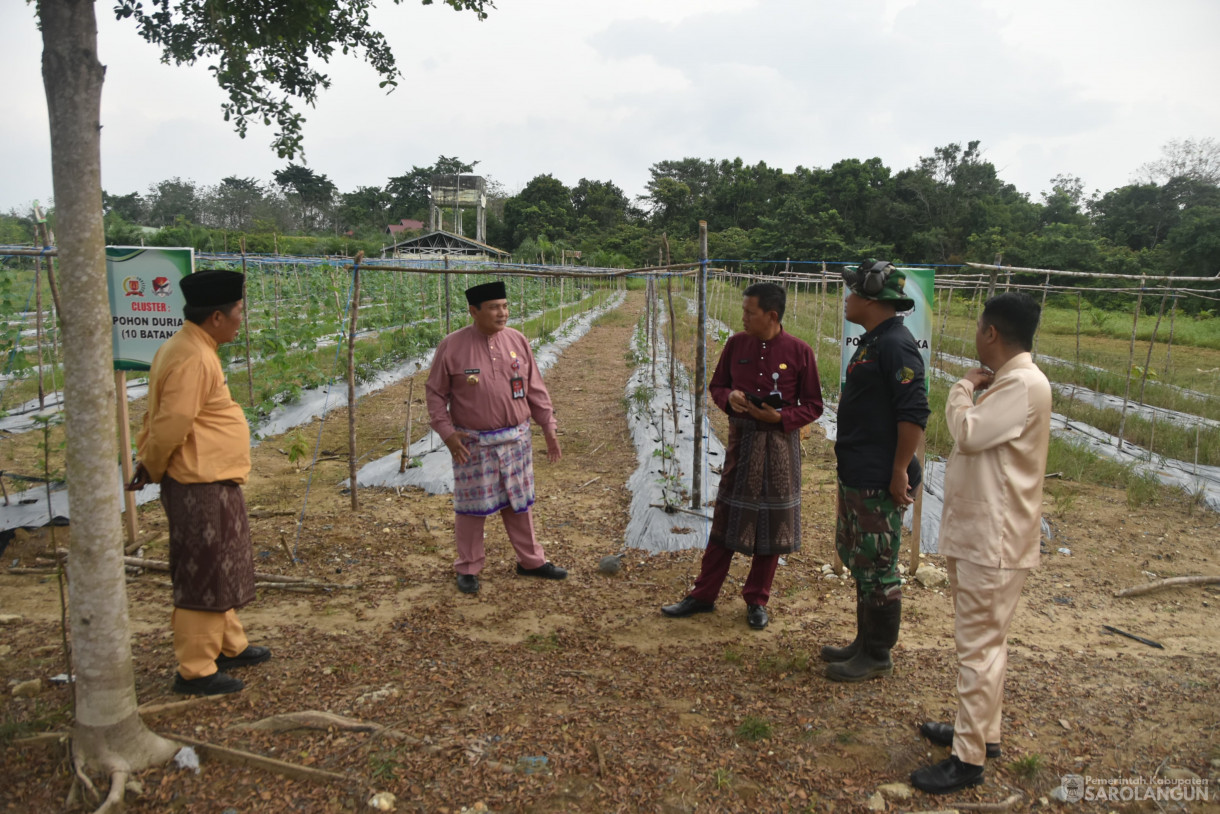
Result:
{"points": [[767, 381]]}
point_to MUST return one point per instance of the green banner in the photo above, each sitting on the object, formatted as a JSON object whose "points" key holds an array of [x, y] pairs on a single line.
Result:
{"points": [[918, 321], [145, 300]]}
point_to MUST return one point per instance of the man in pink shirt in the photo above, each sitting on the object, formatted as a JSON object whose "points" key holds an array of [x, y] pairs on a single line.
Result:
{"points": [[483, 389]]}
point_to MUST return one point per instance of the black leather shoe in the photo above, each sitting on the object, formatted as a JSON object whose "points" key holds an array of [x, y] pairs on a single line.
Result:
{"points": [[468, 583], [215, 684], [756, 616], [251, 655], [948, 775], [546, 571], [687, 607], [942, 735]]}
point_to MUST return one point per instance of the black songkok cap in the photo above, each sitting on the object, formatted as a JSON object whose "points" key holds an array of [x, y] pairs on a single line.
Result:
{"points": [[204, 289], [479, 294]]}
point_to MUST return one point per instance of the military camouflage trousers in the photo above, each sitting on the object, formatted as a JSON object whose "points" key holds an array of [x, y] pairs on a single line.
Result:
{"points": [[868, 537]]}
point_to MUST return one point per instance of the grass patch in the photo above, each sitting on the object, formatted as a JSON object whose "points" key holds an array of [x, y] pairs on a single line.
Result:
{"points": [[542, 643], [1064, 497], [1077, 462], [753, 728], [1028, 767], [1143, 489], [1158, 437], [779, 664], [12, 728], [731, 656]]}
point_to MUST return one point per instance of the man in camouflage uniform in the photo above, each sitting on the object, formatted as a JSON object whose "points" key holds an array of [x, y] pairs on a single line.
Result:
{"points": [[882, 415]]}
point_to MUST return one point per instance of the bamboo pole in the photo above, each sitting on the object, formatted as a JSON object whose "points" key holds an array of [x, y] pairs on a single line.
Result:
{"points": [[351, 382], [1090, 275], [1077, 329], [1122, 422], [1045, 283], [406, 436], [48, 240], [1173, 308], [448, 300], [673, 358], [124, 428], [652, 326], [700, 374], [939, 340], [245, 320], [1151, 342], [917, 517], [42, 394], [817, 332]]}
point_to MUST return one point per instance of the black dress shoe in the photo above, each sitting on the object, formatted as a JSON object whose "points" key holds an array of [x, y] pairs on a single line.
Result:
{"points": [[688, 607], [546, 571], [942, 735], [468, 583], [251, 655], [948, 775], [756, 616], [215, 684]]}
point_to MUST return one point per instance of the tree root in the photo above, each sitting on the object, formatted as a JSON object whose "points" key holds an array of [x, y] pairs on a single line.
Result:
{"points": [[114, 800], [293, 770], [149, 710], [310, 719]]}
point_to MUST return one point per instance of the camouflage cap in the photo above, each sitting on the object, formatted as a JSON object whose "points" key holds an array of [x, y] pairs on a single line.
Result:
{"points": [[893, 286]]}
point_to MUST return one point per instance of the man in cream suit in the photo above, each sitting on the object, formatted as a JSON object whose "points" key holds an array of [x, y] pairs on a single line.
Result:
{"points": [[991, 528]]}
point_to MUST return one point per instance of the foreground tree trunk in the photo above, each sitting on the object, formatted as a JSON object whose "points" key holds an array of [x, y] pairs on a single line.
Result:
{"points": [[108, 734]]}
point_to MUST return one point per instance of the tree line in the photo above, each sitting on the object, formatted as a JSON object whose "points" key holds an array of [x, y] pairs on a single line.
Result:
{"points": [[951, 207]]}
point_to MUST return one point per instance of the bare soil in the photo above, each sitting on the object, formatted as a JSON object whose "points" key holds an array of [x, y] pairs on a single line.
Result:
{"points": [[631, 711]]}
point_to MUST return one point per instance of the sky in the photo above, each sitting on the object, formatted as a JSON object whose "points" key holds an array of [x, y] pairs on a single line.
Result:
{"points": [[604, 90]]}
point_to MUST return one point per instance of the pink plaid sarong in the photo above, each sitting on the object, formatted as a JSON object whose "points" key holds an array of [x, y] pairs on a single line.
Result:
{"points": [[498, 475]]}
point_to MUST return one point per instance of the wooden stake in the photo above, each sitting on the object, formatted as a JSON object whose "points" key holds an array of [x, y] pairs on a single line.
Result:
{"points": [[673, 362], [245, 320], [448, 305], [917, 517], [1173, 308], [406, 436], [696, 491], [351, 382], [1122, 422], [1151, 342], [1045, 284], [129, 498], [38, 329], [1077, 329]]}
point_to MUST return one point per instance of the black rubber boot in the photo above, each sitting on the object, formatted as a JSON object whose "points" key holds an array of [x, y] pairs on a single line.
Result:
{"points": [[832, 654], [879, 634]]}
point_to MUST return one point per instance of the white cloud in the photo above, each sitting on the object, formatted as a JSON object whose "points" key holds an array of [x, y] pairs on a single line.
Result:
{"points": [[601, 90]]}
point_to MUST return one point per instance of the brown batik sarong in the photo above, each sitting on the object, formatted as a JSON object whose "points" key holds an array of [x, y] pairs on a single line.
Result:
{"points": [[211, 561], [758, 506]]}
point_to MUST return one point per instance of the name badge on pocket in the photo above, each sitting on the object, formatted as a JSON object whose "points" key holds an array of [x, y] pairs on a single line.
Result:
{"points": [[518, 385]]}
